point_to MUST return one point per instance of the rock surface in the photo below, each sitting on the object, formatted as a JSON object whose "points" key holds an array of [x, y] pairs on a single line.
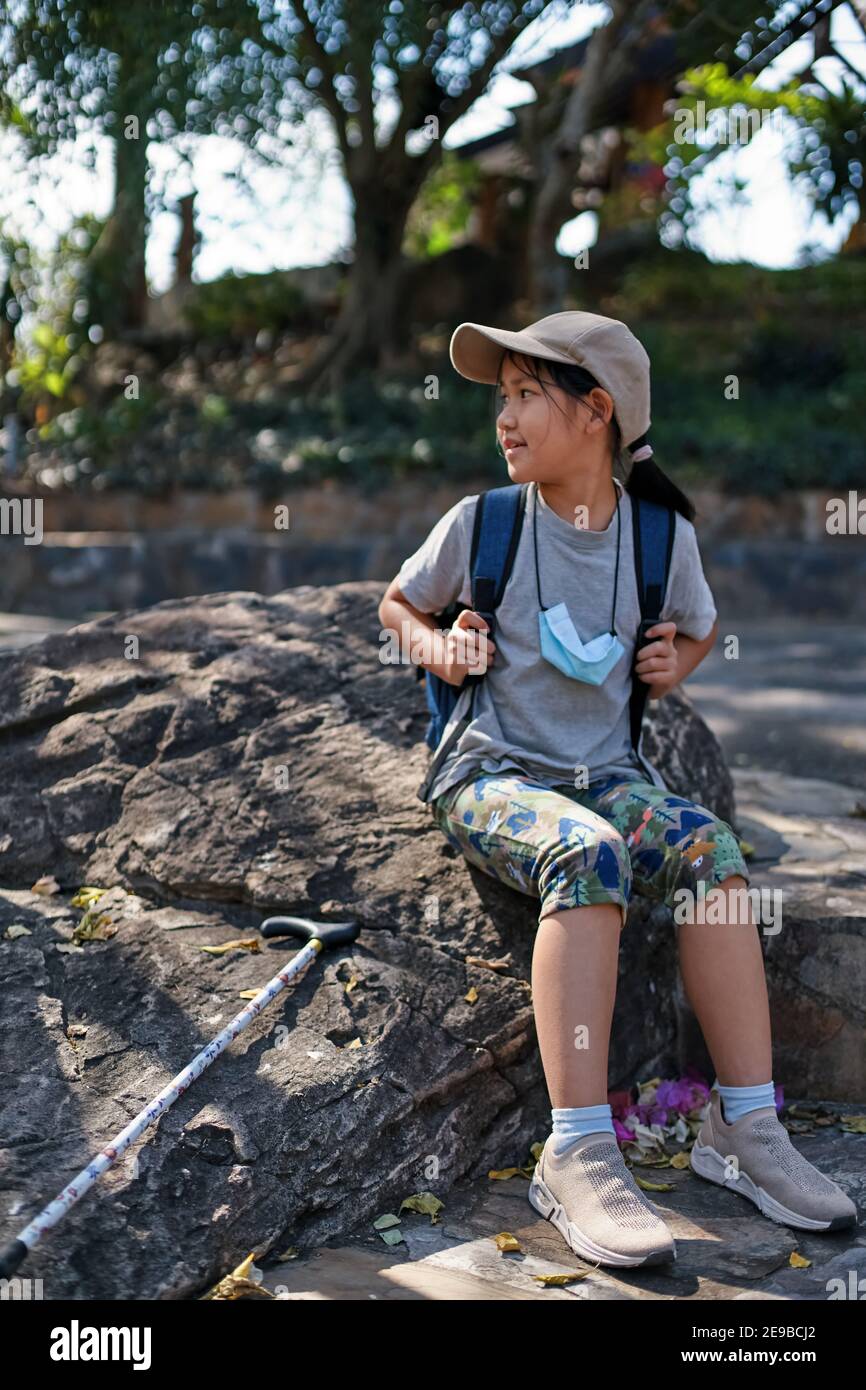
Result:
{"points": [[213, 760]]}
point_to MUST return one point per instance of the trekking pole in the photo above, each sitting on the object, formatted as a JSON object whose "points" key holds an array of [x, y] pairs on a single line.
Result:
{"points": [[318, 936]]}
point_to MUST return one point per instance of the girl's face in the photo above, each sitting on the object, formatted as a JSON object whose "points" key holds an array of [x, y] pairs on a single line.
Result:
{"points": [[541, 442]]}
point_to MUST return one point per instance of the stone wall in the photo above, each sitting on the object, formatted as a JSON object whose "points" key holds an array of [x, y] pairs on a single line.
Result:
{"points": [[762, 557]]}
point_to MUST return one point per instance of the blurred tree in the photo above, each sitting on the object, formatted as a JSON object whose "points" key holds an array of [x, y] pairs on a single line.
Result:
{"points": [[826, 159], [744, 35], [393, 76], [135, 74]]}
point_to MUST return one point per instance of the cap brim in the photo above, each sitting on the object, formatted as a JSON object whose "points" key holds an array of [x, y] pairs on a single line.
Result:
{"points": [[476, 350]]}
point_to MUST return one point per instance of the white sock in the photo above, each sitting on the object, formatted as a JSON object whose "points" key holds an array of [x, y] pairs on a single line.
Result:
{"points": [[571, 1123], [739, 1100]]}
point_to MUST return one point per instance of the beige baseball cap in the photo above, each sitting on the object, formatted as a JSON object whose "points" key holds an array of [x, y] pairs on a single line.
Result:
{"points": [[605, 347]]}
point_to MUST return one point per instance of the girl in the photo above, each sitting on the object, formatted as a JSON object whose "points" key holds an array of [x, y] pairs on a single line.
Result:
{"points": [[544, 790]]}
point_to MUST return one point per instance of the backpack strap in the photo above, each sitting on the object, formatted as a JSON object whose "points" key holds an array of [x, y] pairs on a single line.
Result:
{"points": [[495, 536], [653, 526]]}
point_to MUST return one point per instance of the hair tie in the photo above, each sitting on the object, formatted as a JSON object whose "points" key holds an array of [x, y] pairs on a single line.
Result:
{"points": [[641, 450]]}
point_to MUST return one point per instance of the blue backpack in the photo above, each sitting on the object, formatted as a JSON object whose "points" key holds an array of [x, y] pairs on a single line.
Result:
{"points": [[495, 535]]}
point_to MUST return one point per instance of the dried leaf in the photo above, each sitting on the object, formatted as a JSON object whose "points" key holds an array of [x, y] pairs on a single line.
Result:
{"points": [[291, 1253], [86, 897], [350, 984], [356, 1042], [45, 886], [70, 948], [425, 1202], [94, 926], [17, 929], [503, 1173], [383, 1222], [248, 993], [503, 964], [250, 943], [557, 1279], [243, 1282], [853, 1124], [653, 1186], [798, 1261], [506, 1241], [186, 926], [680, 1160], [472, 995], [392, 1236], [746, 849]]}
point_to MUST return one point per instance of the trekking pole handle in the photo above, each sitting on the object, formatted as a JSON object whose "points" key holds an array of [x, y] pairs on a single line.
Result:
{"points": [[306, 929], [11, 1257]]}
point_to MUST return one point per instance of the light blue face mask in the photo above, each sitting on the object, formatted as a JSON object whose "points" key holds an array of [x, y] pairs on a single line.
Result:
{"points": [[560, 644]]}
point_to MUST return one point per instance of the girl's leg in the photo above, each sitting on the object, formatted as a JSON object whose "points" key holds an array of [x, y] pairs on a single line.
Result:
{"points": [[574, 967], [723, 973], [541, 843], [675, 844]]}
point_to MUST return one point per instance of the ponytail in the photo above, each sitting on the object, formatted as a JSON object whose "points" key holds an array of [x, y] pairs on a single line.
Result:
{"points": [[647, 480]]}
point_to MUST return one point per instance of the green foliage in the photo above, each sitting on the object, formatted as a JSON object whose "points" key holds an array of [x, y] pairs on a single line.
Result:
{"points": [[442, 209], [825, 155], [797, 421], [239, 306], [49, 366]]}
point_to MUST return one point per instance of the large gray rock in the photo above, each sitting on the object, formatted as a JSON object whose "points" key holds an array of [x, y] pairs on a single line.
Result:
{"points": [[256, 756]]}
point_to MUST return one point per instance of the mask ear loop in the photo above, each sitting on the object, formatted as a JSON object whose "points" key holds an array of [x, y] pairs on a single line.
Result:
{"points": [[535, 547], [615, 573]]}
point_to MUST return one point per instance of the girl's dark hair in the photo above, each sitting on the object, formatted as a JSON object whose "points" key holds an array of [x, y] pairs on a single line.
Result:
{"points": [[645, 478]]}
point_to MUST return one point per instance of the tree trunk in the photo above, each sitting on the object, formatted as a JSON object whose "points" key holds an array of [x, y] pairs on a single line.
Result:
{"points": [[369, 333], [116, 284]]}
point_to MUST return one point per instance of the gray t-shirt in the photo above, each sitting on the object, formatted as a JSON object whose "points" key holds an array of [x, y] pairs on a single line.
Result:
{"points": [[528, 716]]}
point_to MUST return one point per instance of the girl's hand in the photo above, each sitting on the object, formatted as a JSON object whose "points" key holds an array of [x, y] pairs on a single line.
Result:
{"points": [[467, 650], [657, 662]]}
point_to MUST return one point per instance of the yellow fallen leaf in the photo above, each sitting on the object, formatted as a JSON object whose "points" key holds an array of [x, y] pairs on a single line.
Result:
{"points": [[472, 995], [45, 886], [291, 1253], [554, 1279], [799, 1261], [503, 964], [350, 984], [250, 943], [853, 1124], [535, 1150], [747, 849], [356, 1042], [680, 1160], [17, 929], [506, 1241], [243, 1282], [503, 1173], [653, 1186], [248, 993], [85, 897], [425, 1202], [94, 926]]}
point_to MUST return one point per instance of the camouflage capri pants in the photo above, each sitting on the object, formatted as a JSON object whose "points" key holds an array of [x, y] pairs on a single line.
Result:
{"points": [[574, 847]]}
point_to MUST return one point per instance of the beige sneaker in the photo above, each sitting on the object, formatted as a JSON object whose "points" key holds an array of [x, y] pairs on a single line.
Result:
{"points": [[755, 1157], [589, 1195]]}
